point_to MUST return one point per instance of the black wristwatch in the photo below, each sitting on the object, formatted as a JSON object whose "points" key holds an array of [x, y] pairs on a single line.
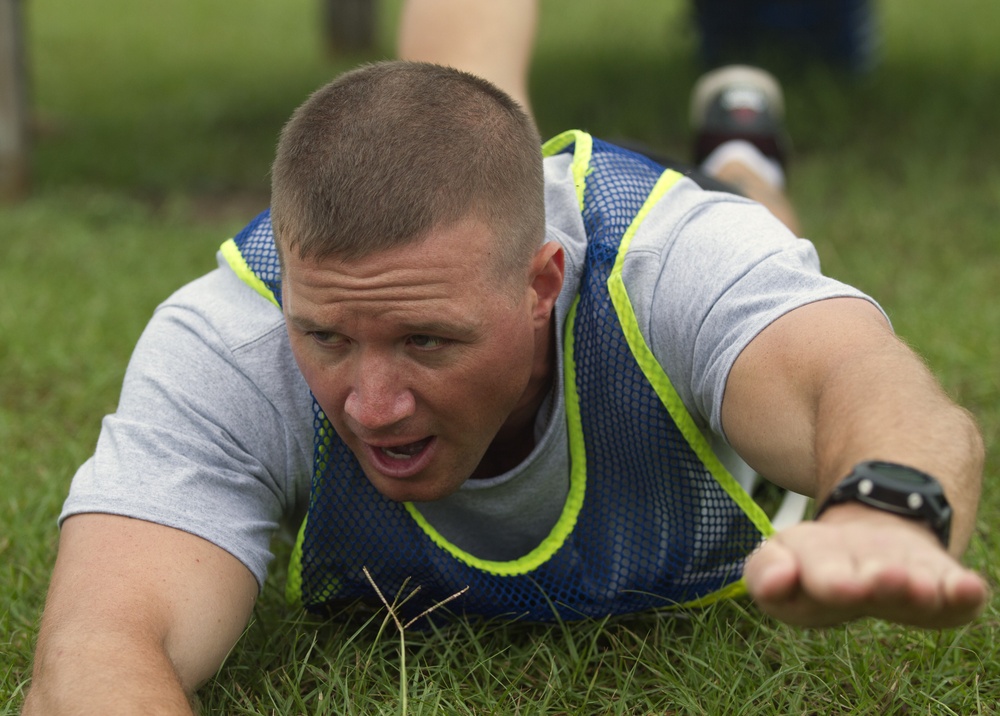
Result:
{"points": [[899, 489]]}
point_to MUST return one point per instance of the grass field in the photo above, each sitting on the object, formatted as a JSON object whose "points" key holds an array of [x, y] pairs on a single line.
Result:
{"points": [[155, 127]]}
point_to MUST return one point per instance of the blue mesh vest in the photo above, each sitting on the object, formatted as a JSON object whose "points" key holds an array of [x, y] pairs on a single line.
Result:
{"points": [[652, 519]]}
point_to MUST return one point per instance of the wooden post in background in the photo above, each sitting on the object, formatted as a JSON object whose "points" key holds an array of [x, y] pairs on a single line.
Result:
{"points": [[14, 140], [349, 25]]}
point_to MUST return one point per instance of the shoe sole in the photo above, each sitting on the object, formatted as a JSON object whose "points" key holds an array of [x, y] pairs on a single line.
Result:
{"points": [[711, 84]]}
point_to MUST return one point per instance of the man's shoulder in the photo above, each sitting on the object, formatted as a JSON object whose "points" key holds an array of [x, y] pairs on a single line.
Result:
{"points": [[217, 350], [220, 304], [673, 210]]}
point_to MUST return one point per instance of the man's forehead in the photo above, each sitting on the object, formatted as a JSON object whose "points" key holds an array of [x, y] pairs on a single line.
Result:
{"points": [[299, 243]]}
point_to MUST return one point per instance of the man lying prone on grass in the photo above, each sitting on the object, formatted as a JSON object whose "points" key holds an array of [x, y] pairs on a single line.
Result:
{"points": [[450, 362]]}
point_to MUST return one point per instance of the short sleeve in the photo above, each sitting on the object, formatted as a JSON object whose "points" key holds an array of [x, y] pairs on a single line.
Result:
{"points": [[707, 272], [208, 434]]}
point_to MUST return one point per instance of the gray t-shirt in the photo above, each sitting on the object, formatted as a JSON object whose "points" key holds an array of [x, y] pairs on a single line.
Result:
{"points": [[213, 433]]}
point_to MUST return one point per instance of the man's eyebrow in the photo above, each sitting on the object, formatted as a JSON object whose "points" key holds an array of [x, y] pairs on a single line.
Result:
{"points": [[433, 328], [304, 323], [430, 327]]}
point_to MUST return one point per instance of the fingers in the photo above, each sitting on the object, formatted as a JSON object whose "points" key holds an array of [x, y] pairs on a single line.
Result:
{"points": [[817, 574], [772, 573], [786, 587], [966, 592]]}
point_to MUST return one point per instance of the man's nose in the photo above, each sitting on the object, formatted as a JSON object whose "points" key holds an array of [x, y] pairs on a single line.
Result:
{"points": [[379, 397]]}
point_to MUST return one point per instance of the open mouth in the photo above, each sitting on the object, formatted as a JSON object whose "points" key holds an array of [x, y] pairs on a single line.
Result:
{"points": [[404, 460], [405, 452]]}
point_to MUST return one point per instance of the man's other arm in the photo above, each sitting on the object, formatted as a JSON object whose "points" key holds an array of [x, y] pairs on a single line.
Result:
{"points": [[138, 615], [821, 389]]}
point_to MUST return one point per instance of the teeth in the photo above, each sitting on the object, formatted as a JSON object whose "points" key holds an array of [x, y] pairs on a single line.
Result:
{"points": [[402, 452]]}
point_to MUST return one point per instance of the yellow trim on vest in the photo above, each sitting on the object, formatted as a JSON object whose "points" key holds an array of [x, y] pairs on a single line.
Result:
{"points": [[578, 471], [574, 500], [661, 383], [293, 582], [584, 146], [231, 252], [730, 591]]}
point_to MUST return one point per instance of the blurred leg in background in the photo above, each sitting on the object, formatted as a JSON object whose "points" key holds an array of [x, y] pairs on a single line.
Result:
{"points": [[842, 33], [737, 112], [490, 38]]}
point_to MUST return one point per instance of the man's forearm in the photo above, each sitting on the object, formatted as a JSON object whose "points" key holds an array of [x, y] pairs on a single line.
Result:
{"points": [[829, 386], [104, 674], [137, 617], [889, 407], [822, 389]]}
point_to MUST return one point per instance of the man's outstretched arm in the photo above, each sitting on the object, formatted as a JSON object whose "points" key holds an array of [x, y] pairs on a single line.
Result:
{"points": [[826, 387], [137, 617]]}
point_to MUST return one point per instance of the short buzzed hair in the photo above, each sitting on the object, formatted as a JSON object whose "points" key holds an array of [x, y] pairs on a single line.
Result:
{"points": [[386, 152]]}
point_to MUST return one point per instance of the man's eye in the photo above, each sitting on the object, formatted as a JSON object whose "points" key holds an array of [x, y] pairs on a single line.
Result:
{"points": [[427, 342], [326, 338]]}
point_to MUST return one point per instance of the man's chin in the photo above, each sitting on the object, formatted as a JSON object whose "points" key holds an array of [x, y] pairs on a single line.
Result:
{"points": [[411, 489]]}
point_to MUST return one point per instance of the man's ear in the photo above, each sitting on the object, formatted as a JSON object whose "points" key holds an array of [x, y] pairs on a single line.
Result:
{"points": [[548, 267]]}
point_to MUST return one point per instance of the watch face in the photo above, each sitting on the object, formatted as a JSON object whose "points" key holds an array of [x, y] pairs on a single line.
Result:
{"points": [[900, 473]]}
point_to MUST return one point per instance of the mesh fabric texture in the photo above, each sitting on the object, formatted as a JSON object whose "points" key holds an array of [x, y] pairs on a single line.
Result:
{"points": [[256, 245]]}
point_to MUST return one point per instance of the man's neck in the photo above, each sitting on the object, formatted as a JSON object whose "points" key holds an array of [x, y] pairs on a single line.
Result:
{"points": [[516, 438]]}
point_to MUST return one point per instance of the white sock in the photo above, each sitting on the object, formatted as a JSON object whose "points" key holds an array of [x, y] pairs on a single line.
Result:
{"points": [[742, 151]]}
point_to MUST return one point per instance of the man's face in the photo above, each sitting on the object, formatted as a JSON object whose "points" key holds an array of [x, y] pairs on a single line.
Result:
{"points": [[420, 355]]}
